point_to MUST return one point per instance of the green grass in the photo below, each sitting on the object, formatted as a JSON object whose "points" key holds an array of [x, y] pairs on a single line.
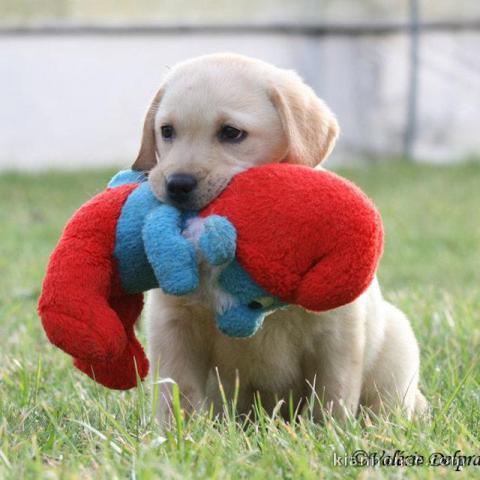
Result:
{"points": [[56, 423]]}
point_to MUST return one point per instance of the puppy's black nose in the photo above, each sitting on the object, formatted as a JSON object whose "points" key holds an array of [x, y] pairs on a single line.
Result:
{"points": [[180, 186]]}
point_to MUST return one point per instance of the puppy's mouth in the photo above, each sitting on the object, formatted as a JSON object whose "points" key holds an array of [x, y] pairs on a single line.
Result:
{"points": [[188, 205], [193, 201]]}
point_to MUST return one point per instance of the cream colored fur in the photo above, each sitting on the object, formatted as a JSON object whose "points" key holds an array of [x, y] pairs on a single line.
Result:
{"points": [[364, 353]]}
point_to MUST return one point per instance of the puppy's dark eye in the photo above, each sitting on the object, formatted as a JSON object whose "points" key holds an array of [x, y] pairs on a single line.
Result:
{"points": [[168, 132], [231, 134]]}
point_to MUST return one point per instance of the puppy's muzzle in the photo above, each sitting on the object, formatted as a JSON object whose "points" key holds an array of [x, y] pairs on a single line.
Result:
{"points": [[180, 187]]}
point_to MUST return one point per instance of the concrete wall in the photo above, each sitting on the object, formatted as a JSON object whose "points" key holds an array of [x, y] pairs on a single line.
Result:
{"points": [[78, 101]]}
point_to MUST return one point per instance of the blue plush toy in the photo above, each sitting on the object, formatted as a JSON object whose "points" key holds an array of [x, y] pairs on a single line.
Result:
{"points": [[304, 237], [152, 252]]}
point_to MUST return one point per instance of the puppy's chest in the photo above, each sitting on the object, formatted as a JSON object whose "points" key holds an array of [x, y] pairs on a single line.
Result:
{"points": [[272, 359]]}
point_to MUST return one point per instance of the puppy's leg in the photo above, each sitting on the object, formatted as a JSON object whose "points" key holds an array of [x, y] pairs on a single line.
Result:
{"points": [[335, 366], [179, 339], [392, 380]]}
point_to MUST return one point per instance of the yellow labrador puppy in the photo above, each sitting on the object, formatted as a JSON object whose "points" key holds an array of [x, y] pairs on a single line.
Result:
{"points": [[213, 117]]}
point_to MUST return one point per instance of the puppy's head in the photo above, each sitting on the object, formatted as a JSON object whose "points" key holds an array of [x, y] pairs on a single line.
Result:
{"points": [[217, 115]]}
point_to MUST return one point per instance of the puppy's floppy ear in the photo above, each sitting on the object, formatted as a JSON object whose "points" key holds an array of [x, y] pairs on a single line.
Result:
{"points": [[310, 126], [147, 156]]}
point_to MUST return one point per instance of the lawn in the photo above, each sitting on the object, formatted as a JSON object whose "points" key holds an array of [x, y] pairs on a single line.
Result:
{"points": [[56, 423]]}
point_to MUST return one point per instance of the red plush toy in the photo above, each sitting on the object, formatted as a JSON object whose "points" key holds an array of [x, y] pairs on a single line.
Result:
{"points": [[309, 237], [85, 310], [306, 237]]}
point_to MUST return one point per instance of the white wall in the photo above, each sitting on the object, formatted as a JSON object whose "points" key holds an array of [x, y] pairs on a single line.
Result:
{"points": [[74, 101], [449, 98]]}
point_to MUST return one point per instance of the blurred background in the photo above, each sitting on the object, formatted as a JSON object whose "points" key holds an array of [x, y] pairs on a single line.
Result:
{"points": [[76, 76]]}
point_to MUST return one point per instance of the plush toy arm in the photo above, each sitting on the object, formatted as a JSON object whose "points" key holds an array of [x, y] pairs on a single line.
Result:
{"points": [[340, 277], [124, 177], [218, 240], [172, 257]]}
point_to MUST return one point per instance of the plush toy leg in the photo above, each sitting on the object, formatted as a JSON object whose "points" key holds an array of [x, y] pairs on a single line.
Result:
{"points": [[83, 340], [74, 304], [122, 372], [172, 257], [218, 240]]}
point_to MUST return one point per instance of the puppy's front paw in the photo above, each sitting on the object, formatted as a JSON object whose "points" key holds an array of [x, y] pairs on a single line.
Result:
{"points": [[190, 401]]}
